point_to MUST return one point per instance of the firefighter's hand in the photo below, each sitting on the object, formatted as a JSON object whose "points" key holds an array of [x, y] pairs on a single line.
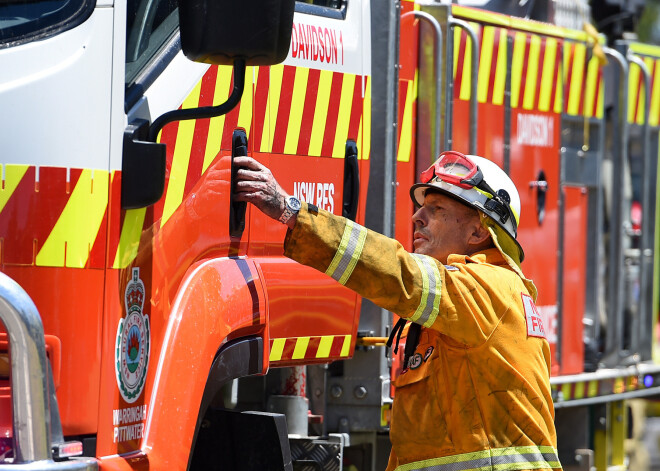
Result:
{"points": [[256, 184]]}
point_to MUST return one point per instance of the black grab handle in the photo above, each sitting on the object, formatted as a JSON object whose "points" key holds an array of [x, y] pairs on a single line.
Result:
{"points": [[351, 181], [237, 208]]}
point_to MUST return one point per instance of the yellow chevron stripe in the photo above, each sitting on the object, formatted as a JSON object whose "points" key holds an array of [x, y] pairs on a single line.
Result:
{"points": [[320, 113], [566, 391], [217, 124], [500, 71], [324, 346], [532, 72], [345, 349], [547, 76], [519, 43], [457, 45], [562, 78], [301, 348], [13, 175], [590, 93], [466, 91], [485, 63], [272, 107], [277, 349], [642, 91], [655, 96], [593, 388], [181, 158], [344, 116], [634, 90], [297, 107], [245, 111], [575, 88], [406, 135], [76, 229], [364, 131], [600, 109], [129, 240], [579, 390]]}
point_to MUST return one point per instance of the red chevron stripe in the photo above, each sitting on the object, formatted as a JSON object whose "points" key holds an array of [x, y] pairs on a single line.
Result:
{"points": [[356, 109], [313, 347], [493, 66], [583, 89], [284, 110], [260, 104], [231, 121], [523, 80], [289, 347], [333, 114], [557, 75], [599, 78], [337, 344], [567, 85], [458, 80], [307, 119], [539, 75], [201, 133]]}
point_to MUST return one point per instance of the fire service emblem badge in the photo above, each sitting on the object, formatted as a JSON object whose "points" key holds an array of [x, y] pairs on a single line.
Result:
{"points": [[133, 342]]}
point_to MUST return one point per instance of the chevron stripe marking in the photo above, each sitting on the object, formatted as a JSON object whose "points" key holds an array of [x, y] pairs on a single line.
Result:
{"points": [[216, 125], [307, 119], [591, 97], [297, 107], [274, 89], [531, 78], [485, 63], [364, 133], [11, 177], [501, 68], [129, 240], [343, 115], [575, 80], [245, 110], [312, 347], [260, 107], [333, 114], [517, 66], [655, 94], [321, 112], [75, 231], [284, 109], [182, 149], [549, 59], [406, 129]]}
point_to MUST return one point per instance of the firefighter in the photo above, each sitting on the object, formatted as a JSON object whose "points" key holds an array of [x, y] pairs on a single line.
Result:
{"points": [[475, 389]]}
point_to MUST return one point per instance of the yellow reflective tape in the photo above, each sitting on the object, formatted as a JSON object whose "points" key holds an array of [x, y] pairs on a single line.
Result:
{"points": [[566, 391], [548, 74], [532, 72], [365, 122], [425, 290], [579, 390], [320, 113], [277, 349], [76, 229], [301, 348], [272, 107], [179, 171], [344, 116], [561, 77], [466, 80], [647, 49], [590, 92], [13, 174], [345, 349], [500, 71], [519, 44], [355, 256], [633, 90], [575, 88], [129, 240], [592, 389], [406, 135], [619, 385], [457, 45], [245, 110], [325, 344], [485, 63], [343, 244], [217, 124], [642, 91], [655, 96], [296, 111]]}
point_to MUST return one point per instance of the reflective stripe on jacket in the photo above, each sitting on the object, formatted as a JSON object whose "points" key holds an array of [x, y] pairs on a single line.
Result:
{"points": [[476, 392]]}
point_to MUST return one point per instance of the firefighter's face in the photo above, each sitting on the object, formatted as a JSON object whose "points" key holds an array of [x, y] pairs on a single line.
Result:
{"points": [[443, 226]]}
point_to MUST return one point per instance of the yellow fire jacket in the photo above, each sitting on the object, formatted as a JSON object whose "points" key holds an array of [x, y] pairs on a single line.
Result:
{"points": [[476, 393]]}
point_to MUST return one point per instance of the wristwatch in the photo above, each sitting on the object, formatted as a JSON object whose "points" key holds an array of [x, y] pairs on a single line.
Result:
{"points": [[292, 206]]}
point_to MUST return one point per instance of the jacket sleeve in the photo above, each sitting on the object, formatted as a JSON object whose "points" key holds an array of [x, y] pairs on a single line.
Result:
{"points": [[414, 286]]}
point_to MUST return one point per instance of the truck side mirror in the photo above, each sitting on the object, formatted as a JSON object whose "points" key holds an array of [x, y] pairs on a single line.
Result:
{"points": [[219, 32]]}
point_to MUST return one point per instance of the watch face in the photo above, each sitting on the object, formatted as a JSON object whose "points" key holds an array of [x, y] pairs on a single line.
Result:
{"points": [[294, 203]]}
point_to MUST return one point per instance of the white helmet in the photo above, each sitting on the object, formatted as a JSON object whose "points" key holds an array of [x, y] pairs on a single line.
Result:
{"points": [[479, 183]]}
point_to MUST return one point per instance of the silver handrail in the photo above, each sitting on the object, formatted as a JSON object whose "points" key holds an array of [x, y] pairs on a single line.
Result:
{"points": [[613, 343], [474, 108], [28, 372], [645, 327], [438, 70]]}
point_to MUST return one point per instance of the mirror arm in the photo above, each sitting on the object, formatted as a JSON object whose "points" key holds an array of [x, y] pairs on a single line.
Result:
{"points": [[206, 111]]}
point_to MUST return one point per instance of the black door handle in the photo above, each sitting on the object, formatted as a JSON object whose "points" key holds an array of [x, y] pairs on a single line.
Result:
{"points": [[237, 208], [351, 181]]}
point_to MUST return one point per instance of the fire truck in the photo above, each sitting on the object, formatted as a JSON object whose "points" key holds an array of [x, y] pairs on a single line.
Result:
{"points": [[152, 322]]}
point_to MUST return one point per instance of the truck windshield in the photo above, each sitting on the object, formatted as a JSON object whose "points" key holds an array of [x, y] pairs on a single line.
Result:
{"points": [[22, 21]]}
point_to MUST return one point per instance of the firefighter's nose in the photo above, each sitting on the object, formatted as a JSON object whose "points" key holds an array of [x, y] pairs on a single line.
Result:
{"points": [[418, 218]]}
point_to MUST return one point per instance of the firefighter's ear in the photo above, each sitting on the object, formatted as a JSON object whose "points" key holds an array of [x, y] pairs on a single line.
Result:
{"points": [[479, 235]]}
